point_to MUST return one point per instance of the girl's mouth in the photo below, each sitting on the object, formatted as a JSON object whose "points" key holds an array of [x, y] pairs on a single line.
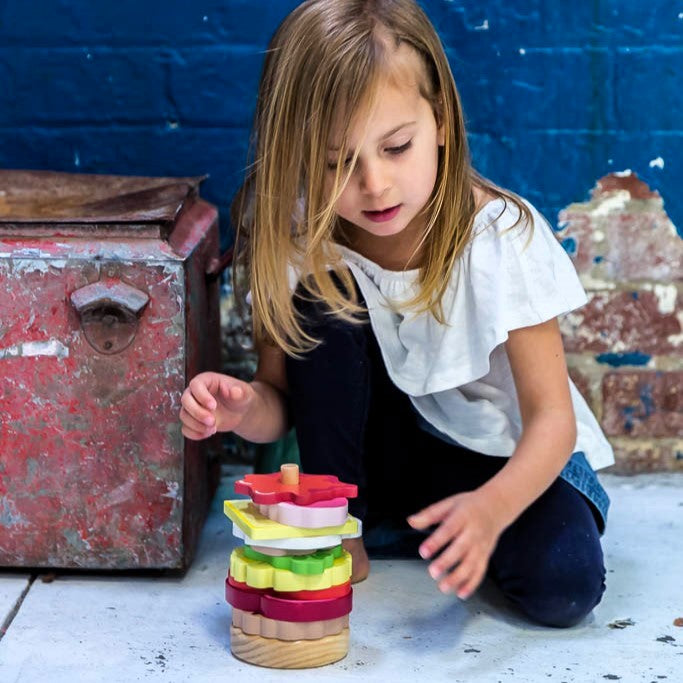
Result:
{"points": [[382, 216]]}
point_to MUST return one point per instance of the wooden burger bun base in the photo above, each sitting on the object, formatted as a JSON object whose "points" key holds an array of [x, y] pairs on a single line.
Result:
{"points": [[292, 654]]}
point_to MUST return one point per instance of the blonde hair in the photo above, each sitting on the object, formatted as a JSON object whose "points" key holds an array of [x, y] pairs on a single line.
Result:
{"points": [[325, 61]]}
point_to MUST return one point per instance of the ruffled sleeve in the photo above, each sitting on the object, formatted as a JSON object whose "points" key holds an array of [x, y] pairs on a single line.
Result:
{"points": [[505, 279], [522, 274]]}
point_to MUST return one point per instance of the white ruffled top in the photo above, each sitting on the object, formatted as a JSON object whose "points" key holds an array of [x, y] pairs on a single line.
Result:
{"points": [[457, 375]]}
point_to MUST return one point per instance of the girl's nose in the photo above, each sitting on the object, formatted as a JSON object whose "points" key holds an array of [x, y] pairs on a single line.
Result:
{"points": [[374, 179]]}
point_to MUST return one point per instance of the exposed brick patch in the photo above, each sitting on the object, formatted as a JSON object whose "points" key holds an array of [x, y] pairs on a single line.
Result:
{"points": [[643, 404], [582, 383], [620, 181], [623, 321], [622, 235], [641, 245], [579, 227], [636, 458]]}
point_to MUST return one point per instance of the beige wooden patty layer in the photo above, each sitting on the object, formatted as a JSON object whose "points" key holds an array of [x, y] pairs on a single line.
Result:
{"points": [[257, 625]]}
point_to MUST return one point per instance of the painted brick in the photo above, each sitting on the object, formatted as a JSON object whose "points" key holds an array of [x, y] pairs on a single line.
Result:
{"points": [[546, 156], [511, 159], [525, 21], [83, 85], [131, 22], [648, 456], [648, 74], [625, 321], [550, 165], [656, 22], [231, 77], [640, 404], [530, 22], [528, 85]]}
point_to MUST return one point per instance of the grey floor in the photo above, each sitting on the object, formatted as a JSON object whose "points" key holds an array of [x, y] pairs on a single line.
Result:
{"points": [[103, 628]]}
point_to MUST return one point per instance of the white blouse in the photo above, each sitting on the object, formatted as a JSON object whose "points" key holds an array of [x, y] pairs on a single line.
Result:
{"points": [[457, 375]]}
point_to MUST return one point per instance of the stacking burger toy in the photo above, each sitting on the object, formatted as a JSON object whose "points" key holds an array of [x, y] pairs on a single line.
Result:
{"points": [[290, 584]]}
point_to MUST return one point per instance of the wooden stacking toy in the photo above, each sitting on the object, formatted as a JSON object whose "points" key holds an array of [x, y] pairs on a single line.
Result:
{"points": [[290, 584]]}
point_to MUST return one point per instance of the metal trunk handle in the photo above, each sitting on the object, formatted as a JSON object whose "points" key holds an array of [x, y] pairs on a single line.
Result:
{"points": [[109, 311]]}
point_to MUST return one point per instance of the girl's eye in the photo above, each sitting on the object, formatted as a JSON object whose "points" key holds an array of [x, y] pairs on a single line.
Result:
{"points": [[400, 149], [394, 151], [332, 165]]}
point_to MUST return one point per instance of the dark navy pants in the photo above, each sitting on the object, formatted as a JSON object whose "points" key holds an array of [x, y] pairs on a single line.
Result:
{"points": [[353, 422]]}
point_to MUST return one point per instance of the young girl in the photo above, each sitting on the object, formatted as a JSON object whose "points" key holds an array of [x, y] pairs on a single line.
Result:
{"points": [[405, 313]]}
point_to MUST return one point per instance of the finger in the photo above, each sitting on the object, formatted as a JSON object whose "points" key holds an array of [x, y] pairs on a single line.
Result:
{"points": [[449, 557], [444, 533], [233, 392], [453, 582], [194, 424], [468, 587], [195, 410], [432, 514], [195, 435], [202, 394]]}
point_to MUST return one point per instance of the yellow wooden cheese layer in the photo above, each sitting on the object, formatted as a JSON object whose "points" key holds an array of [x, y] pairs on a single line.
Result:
{"points": [[264, 575]]}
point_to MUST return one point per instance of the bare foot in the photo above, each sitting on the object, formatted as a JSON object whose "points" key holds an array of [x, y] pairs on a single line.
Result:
{"points": [[360, 563]]}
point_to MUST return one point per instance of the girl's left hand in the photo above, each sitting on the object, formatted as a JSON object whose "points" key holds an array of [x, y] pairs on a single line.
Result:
{"points": [[469, 529]]}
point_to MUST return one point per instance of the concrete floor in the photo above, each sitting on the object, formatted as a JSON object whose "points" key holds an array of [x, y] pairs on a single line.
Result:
{"points": [[106, 628]]}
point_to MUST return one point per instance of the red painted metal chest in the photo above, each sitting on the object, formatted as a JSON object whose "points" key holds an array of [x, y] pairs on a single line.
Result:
{"points": [[108, 306]]}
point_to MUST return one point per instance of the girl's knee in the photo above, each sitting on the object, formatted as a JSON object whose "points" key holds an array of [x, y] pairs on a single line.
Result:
{"points": [[560, 598], [565, 608]]}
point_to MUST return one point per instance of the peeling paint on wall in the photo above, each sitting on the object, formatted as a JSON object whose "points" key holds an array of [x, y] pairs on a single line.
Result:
{"points": [[666, 297], [613, 203], [625, 346]]}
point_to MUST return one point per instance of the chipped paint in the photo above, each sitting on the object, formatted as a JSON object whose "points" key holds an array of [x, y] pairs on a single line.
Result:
{"points": [[172, 490], [31, 349], [657, 163], [9, 516], [666, 297], [612, 203], [37, 266], [590, 282], [628, 257], [99, 464], [619, 359], [677, 339], [569, 245], [75, 540]]}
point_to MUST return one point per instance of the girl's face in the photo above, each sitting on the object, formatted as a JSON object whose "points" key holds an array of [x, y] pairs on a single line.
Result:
{"points": [[397, 164]]}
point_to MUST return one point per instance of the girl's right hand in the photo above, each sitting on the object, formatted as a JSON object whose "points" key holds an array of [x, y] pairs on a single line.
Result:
{"points": [[214, 402]]}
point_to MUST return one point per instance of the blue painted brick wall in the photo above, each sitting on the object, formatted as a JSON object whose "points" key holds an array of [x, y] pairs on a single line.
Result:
{"points": [[556, 94]]}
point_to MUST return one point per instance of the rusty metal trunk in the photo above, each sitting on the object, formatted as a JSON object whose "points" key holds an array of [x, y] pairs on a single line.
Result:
{"points": [[106, 311]]}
